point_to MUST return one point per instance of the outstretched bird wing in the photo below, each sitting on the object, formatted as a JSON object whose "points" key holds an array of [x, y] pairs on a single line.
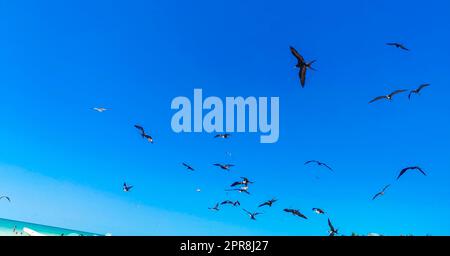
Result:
{"points": [[377, 99], [327, 166], [396, 92], [398, 45], [302, 75], [403, 47], [244, 191], [140, 128], [380, 193], [237, 183], [420, 170], [263, 204], [422, 86], [6, 197], [188, 166], [289, 210], [402, 172], [297, 55], [249, 213], [331, 225], [377, 195], [301, 215], [410, 168]]}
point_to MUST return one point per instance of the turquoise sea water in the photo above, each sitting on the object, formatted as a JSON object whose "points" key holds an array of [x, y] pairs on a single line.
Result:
{"points": [[18, 228]]}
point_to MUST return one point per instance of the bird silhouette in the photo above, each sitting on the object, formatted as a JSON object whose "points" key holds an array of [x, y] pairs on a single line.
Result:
{"points": [[215, 208], [318, 211], [411, 168], [398, 45], [244, 182], [188, 167], [144, 134], [332, 230], [100, 110], [223, 136], [381, 193], [417, 91], [236, 203], [319, 164], [302, 65], [387, 97], [268, 203], [126, 187], [225, 167], [252, 215], [296, 212]]}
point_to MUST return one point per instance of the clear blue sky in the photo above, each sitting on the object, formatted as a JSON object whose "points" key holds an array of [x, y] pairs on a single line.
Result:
{"points": [[63, 164]]}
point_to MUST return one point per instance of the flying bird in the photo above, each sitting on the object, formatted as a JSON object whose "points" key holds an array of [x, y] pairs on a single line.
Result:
{"points": [[332, 231], [295, 212], [417, 91], [245, 182], [252, 215], [215, 208], [411, 168], [318, 211], [100, 110], [126, 187], [319, 164], [188, 167], [223, 136], [381, 193], [398, 45], [225, 167], [198, 190], [387, 97], [268, 203], [240, 190], [6, 198], [144, 134], [302, 65], [237, 203]]}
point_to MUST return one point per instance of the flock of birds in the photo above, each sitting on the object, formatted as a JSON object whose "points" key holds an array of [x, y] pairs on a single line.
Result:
{"points": [[242, 186]]}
